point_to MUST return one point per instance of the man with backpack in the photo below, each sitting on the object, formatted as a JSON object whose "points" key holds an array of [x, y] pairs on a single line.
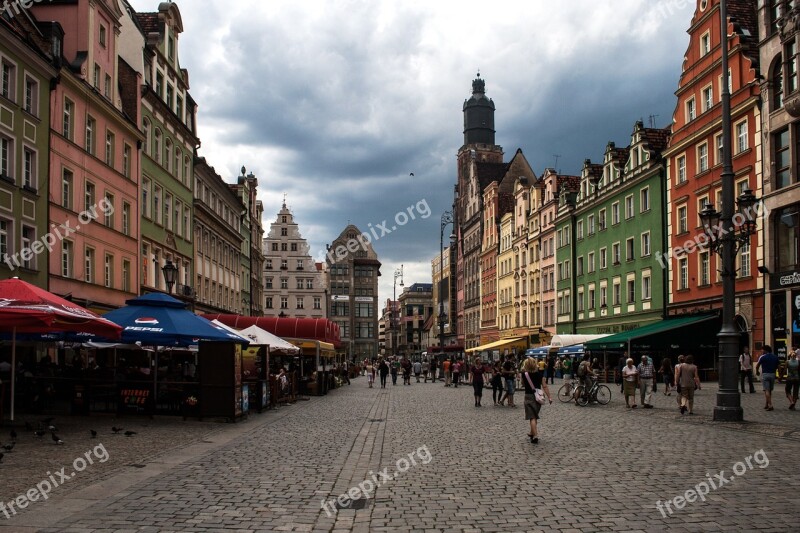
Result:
{"points": [[585, 375]]}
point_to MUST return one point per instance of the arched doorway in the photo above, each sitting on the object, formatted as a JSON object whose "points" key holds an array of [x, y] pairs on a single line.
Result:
{"points": [[744, 332]]}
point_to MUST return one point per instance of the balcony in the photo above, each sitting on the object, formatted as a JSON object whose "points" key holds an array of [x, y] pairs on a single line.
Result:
{"points": [[185, 291]]}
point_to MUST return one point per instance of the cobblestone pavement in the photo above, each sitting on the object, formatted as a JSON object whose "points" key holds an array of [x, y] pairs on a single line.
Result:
{"points": [[454, 467]]}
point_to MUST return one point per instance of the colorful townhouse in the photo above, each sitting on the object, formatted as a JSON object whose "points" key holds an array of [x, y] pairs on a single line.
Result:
{"points": [[94, 157], [28, 67], [694, 164], [609, 276]]}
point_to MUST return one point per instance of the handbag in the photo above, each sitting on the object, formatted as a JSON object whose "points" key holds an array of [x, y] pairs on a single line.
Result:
{"points": [[538, 394]]}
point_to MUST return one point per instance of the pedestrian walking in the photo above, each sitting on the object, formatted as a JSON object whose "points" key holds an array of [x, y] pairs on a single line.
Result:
{"points": [[566, 365], [417, 370], [647, 381], [551, 369], [383, 370], [559, 368], [630, 379], [690, 381], [497, 383], [532, 381], [433, 371], [394, 369], [681, 359], [345, 373], [509, 377], [746, 369], [477, 381], [456, 368], [768, 364], [446, 370], [668, 375], [370, 370], [792, 379], [405, 366]]}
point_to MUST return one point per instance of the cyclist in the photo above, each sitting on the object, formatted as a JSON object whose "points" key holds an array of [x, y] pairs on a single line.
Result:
{"points": [[586, 376]]}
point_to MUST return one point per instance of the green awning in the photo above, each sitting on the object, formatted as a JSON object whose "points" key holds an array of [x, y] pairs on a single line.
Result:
{"points": [[620, 341]]}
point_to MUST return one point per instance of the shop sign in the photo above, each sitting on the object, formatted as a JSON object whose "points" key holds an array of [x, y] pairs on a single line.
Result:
{"points": [[784, 279], [134, 397], [340, 298], [369, 299]]}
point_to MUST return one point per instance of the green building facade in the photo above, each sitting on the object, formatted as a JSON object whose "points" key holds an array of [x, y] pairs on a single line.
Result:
{"points": [[27, 71], [615, 228]]}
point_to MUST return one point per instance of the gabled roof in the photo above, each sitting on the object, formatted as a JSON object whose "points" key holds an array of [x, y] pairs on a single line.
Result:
{"points": [[656, 140], [149, 22], [570, 183], [618, 155], [592, 170]]}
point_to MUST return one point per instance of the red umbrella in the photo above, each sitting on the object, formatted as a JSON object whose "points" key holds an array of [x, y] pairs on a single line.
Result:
{"points": [[26, 308]]}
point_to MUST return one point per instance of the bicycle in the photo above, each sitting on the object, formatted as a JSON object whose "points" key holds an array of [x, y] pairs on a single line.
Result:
{"points": [[598, 393], [566, 393]]}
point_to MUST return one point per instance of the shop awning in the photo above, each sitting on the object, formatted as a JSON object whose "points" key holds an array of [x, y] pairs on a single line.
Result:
{"points": [[541, 351], [620, 341], [326, 349], [575, 349], [495, 345]]}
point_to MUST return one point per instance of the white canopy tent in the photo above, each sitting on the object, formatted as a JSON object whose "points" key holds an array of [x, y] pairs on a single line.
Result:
{"points": [[560, 341], [262, 337]]}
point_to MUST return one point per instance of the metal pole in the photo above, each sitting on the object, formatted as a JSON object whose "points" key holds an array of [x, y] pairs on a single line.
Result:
{"points": [[728, 407], [574, 284]]}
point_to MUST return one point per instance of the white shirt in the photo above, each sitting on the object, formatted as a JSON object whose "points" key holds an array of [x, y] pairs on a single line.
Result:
{"points": [[745, 363]]}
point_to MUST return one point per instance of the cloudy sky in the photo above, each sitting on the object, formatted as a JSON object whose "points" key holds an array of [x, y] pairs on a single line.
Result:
{"points": [[335, 103]]}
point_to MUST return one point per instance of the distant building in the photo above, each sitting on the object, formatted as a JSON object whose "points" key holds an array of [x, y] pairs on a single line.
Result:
{"points": [[353, 270], [293, 285], [416, 305], [252, 258], [217, 243]]}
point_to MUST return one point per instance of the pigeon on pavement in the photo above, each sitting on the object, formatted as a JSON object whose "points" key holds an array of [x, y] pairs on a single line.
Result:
{"points": [[130, 433], [94, 433], [115, 429], [57, 439]]}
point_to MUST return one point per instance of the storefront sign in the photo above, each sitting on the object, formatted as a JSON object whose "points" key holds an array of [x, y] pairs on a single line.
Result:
{"points": [[340, 298], [134, 397], [365, 299], [617, 328], [784, 280]]}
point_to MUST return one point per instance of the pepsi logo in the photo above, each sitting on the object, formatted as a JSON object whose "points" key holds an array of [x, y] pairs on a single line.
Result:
{"points": [[146, 320]]}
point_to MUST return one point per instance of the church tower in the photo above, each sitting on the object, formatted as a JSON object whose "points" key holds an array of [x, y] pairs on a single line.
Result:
{"points": [[478, 115]]}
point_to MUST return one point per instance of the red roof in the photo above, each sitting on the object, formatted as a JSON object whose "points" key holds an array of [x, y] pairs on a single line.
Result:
{"points": [[318, 329]]}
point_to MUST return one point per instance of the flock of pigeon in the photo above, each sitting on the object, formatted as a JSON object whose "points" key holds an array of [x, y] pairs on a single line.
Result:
{"points": [[47, 425]]}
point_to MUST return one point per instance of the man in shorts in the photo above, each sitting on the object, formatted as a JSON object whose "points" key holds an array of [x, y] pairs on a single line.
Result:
{"points": [[768, 365], [509, 378]]}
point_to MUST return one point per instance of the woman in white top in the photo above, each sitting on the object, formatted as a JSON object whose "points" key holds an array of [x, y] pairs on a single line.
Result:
{"points": [[370, 373], [630, 378]]}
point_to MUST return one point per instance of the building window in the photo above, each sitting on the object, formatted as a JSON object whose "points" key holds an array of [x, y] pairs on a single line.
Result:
{"points": [[317, 302], [644, 199], [67, 122], [691, 111], [631, 291], [284, 283], [109, 271], [6, 157], [269, 302], [616, 296], [5, 229], [126, 161], [284, 302], [647, 286], [88, 267], [683, 273], [682, 169], [645, 244], [179, 108], [705, 43], [741, 137], [777, 84], [89, 196], [719, 154], [9, 81], [603, 258], [578, 268], [109, 211], [702, 157], [590, 223], [126, 218], [629, 252], [274, 246], [615, 253], [32, 96], [744, 261], [67, 250], [28, 238], [783, 176], [91, 126], [284, 232], [157, 203], [267, 283], [591, 262], [29, 168], [580, 229], [284, 247], [705, 270], [683, 225], [160, 85], [66, 189], [157, 145], [603, 296], [126, 275], [107, 87], [629, 206], [110, 148], [591, 299], [300, 302], [790, 52], [146, 197], [294, 247], [309, 284], [168, 98], [708, 98], [601, 220], [102, 36], [615, 213]]}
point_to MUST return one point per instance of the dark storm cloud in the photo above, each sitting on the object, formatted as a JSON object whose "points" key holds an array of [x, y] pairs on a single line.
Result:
{"points": [[335, 103]]}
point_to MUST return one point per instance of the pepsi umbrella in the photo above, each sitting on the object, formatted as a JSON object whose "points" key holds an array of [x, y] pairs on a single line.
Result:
{"points": [[26, 308], [157, 319]]}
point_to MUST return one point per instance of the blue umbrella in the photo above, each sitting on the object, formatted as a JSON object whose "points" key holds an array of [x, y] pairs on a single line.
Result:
{"points": [[157, 319]]}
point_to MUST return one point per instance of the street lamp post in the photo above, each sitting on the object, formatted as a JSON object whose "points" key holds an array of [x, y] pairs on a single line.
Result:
{"points": [[447, 218], [398, 273], [728, 407], [170, 271]]}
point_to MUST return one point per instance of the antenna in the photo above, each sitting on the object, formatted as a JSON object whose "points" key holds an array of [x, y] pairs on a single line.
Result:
{"points": [[653, 121], [557, 157]]}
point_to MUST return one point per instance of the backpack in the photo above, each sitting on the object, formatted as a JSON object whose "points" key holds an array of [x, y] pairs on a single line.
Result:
{"points": [[582, 370]]}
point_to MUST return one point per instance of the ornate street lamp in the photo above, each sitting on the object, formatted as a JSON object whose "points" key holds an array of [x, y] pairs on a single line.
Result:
{"points": [[447, 218], [395, 321], [170, 272], [734, 232]]}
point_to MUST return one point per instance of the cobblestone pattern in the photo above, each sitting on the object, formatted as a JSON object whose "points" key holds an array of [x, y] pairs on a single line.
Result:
{"points": [[597, 468]]}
